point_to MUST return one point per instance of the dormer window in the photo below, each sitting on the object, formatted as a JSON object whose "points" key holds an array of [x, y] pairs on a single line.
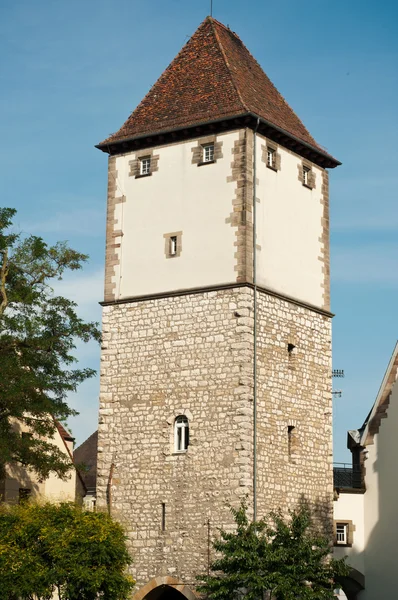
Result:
{"points": [[208, 153], [145, 165], [181, 434]]}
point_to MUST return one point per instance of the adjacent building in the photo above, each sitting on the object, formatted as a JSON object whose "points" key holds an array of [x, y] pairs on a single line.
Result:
{"points": [[22, 483], [85, 459], [365, 514], [216, 357]]}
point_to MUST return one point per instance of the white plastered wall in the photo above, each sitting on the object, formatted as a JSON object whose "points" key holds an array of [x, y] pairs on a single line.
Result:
{"points": [[350, 507], [179, 196], [288, 229], [381, 514]]}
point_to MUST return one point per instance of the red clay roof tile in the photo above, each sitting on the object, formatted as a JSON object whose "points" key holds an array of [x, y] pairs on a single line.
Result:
{"points": [[213, 77]]}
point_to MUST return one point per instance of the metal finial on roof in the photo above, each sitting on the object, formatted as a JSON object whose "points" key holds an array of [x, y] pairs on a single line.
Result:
{"points": [[211, 8]]}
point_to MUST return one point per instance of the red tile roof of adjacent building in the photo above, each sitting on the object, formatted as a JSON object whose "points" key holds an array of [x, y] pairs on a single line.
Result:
{"points": [[213, 77], [65, 435]]}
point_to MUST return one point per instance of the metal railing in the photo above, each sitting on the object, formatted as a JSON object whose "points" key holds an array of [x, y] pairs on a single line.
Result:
{"points": [[346, 476]]}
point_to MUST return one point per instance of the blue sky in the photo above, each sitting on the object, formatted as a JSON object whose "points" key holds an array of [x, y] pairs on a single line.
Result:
{"points": [[71, 72]]}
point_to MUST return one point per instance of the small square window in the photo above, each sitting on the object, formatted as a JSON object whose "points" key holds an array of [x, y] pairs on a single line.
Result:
{"points": [[271, 158], [145, 165], [208, 153], [306, 175], [342, 534], [24, 494]]}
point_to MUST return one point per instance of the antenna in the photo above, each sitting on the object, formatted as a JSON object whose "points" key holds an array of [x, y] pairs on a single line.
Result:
{"points": [[211, 8], [337, 373]]}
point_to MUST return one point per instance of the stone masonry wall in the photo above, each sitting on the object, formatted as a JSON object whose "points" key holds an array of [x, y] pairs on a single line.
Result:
{"points": [[294, 391], [193, 355], [161, 358]]}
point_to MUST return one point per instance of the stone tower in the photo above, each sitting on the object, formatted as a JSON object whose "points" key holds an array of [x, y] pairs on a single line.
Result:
{"points": [[216, 361]]}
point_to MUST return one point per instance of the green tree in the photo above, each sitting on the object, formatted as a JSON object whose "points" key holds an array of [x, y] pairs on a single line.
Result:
{"points": [[61, 548], [38, 334], [273, 558]]}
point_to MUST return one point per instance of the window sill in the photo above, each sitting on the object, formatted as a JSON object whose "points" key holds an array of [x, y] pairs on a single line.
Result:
{"points": [[272, 168], [179, 453], [207, 162], [337, 545], [309, 187], [141, 176]]}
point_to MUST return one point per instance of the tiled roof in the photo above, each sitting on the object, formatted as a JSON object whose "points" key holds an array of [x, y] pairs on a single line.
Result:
{"points": [[65, 435], [213, 77]]}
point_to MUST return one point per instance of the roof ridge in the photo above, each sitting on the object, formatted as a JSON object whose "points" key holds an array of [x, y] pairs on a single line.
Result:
{"points": [[253, 58], [372, 423], [213, 20], [212, 23]]}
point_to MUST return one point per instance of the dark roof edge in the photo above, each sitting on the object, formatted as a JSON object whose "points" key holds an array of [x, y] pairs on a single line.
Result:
{"points": [[319, 151], [104, 145], [333, 162]]}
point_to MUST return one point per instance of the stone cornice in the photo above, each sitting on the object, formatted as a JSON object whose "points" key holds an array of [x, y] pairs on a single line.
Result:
{"points": [[216, 288]]}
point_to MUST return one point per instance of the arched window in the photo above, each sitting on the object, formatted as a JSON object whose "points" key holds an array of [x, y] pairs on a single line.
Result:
{"points": [[181, 434]]}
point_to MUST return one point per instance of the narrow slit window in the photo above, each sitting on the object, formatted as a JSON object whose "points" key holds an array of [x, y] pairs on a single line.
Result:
{"points": [[181, 434], [173, 245], [271, 158], [306, 175], [163, 516], [290, 440], [145, 165], [208, 153]]}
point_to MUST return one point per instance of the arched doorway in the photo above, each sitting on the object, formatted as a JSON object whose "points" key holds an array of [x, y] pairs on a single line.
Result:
{"points": [[164, 592], [165, 588], [352, 584]]}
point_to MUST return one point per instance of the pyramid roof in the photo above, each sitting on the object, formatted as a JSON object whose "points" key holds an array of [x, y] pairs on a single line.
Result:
{"points": [[213, 78]]}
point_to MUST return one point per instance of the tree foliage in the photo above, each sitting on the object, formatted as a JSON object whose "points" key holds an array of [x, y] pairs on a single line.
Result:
{"points": [[273, 558], [38, 334], [61, 548]]}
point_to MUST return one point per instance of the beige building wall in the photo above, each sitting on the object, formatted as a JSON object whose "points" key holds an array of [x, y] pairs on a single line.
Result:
{"points": [[292, 228], [53, 488], [350, 508], [209, 207], [179, 197], [56, 489]]}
